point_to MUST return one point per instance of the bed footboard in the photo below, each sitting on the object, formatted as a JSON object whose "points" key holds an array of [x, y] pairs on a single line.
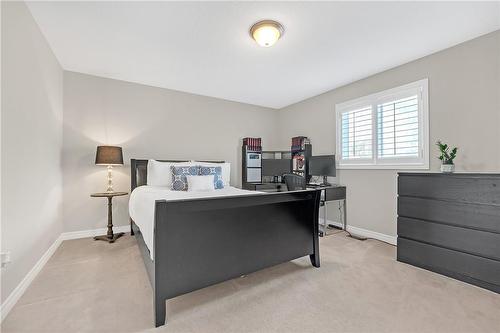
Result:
{"points": [[202, 242]]}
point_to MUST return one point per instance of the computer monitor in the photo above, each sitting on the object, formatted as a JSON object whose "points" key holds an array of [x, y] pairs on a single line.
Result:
{"points": [[276, 167], [322, 166]]}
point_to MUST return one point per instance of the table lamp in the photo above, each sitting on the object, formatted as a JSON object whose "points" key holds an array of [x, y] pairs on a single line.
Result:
{"points": [[109, 155]]}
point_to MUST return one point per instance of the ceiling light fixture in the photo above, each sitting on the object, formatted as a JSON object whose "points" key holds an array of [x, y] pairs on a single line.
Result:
{"points": [[266, 33]]}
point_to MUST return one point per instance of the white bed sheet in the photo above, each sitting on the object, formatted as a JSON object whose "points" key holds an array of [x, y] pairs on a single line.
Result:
{"points": [[142, 205]]}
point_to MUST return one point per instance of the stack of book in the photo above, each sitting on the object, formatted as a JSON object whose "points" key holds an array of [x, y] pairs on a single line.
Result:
{"points": [[298, 163], [253, 144], [300, 142], [301, 151]]}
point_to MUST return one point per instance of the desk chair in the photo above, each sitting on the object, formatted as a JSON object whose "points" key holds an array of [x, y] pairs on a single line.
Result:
{"points": [[294, 182]]}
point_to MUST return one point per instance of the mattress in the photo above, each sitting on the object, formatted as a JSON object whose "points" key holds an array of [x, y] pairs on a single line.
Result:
{"points": [[142, 205]]}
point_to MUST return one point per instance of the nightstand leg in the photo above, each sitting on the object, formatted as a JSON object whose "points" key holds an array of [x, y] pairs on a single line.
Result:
{"points": [[110, 237], [110, 218]]}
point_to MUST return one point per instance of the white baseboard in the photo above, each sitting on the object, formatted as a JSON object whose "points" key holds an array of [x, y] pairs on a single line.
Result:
{"points": [[365, 232], [372, 234], [92, 232], [335, 223], [24, 284]]}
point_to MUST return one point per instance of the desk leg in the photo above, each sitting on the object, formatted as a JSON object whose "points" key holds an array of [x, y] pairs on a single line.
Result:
{"points": [[345, 214], [325, 224]]}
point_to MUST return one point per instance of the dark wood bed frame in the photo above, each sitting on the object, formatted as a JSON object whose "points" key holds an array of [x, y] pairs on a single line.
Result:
{"points": [[201, 242]]}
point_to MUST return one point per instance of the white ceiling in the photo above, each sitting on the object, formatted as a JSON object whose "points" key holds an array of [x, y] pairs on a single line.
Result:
{"points": [[205, 47]]}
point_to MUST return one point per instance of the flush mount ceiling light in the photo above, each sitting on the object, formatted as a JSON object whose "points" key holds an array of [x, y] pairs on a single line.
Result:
{"points": [[266, 33]]}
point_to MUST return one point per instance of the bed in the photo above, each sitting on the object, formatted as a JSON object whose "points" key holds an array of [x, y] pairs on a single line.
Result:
{"points": [[189, 241]]}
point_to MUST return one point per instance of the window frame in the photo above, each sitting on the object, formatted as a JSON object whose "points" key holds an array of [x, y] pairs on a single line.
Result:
{"points": [[421, 89]]}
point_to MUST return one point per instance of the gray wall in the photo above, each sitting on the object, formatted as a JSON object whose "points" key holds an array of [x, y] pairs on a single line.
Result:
{"points": [[147, 122], [464, 109], [31, 140]]}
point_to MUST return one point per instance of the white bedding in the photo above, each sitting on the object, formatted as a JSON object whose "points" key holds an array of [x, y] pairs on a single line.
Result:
{"points": [[142, 205]]}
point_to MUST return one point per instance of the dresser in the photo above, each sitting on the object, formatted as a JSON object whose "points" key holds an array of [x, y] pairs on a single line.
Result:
{"points": [[450, 224]]}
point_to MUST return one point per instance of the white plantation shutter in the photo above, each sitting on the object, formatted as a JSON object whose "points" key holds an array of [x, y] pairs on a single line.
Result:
{"points": [[397, 128], [356, 128], [387, 130]]}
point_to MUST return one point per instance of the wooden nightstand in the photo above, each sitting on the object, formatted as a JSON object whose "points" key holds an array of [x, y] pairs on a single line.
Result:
{"points": [[109, 237]]}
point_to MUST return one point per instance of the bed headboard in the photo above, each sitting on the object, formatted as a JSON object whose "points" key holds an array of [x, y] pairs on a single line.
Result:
{"points": [[139, 171]]}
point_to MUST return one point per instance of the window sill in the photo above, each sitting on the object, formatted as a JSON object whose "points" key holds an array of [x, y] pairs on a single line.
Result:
{"points": [[383, 167]]}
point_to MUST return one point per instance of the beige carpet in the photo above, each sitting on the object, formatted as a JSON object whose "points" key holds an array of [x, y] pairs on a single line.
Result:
{"points": [[90, 286]]}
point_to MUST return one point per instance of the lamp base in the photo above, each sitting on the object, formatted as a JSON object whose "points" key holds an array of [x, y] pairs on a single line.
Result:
{"points": [[110, 179]]}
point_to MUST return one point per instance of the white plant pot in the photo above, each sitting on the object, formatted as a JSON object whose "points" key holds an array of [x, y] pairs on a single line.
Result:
{"points": [[447, 168]]}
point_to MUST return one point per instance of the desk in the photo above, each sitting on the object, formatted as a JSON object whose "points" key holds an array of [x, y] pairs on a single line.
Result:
{"points": [[329, 193], [332, 193]]}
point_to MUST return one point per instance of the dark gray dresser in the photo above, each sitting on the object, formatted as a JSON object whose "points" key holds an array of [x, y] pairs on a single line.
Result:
{"points": [[450, 224]]}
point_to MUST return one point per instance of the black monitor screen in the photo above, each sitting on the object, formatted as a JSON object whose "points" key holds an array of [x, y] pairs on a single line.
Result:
{"points": [[276, 167], [322, 165]]}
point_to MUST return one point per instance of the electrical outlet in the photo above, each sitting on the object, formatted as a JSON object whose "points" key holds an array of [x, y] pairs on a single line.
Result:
{"points": [[5, 258]]}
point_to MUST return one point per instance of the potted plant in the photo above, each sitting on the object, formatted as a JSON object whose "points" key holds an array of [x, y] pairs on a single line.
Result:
{"points": [[447, 157]]}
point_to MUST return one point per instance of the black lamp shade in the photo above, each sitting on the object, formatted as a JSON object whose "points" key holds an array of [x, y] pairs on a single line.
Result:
{"points": [[109, 155]]}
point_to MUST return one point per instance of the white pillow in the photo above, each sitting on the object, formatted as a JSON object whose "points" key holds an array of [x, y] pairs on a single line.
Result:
{"points": [[200, 183], [226, 170], [159, 173]]}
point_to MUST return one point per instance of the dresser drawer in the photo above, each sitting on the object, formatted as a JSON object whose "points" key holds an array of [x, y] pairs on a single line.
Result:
{"points": [[480, 271], [483, 217], [481, 243], [454, 187]]}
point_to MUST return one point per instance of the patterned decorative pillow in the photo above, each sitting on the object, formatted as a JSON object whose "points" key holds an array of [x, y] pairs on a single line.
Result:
{"points": [[217, 172], [179, 173]]}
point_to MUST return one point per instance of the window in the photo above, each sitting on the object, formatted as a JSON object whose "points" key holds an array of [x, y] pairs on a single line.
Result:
{"points": [[357, 136], [386, 130]]}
